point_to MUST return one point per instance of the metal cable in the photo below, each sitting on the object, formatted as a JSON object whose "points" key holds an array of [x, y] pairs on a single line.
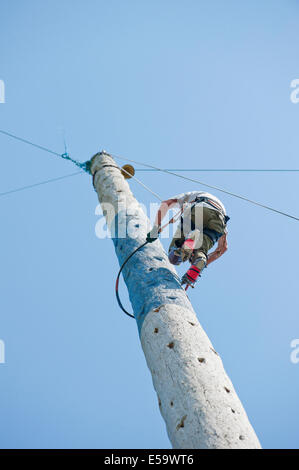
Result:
{"points": [[65, 156], [52, 180], [236, 170], [138, 181], [209, 186], [84, 166]]}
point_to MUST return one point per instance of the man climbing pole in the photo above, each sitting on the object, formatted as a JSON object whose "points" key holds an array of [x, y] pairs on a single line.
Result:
{"points": [[203, 223]]}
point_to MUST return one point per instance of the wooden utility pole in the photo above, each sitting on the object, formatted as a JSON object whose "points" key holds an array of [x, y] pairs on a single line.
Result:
{"points": [[196, 398]]}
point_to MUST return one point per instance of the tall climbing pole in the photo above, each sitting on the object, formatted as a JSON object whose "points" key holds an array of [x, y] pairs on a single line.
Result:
{"points": [[196, 397]]}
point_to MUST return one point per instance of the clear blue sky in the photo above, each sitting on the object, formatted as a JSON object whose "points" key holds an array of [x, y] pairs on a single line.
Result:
{"points": [[198, 84]]}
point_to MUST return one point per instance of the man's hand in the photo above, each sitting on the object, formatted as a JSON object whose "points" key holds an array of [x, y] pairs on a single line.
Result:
{"points": [[153, 235]]}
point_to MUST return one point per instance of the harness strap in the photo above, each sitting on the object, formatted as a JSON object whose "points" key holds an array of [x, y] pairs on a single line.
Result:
{"points": [[212, 234], [211, 202]]}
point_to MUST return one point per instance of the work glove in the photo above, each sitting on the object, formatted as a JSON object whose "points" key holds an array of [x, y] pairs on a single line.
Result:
{"points": [[153, 235], [191, 276]]}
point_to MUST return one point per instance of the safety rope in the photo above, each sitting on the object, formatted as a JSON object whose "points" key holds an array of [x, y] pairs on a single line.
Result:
{"points": [[118, 276], [171, 221]]}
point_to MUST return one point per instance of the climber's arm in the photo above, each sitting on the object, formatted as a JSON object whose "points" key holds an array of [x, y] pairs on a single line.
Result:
{"points": [[220, 250], [163, 209]]}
